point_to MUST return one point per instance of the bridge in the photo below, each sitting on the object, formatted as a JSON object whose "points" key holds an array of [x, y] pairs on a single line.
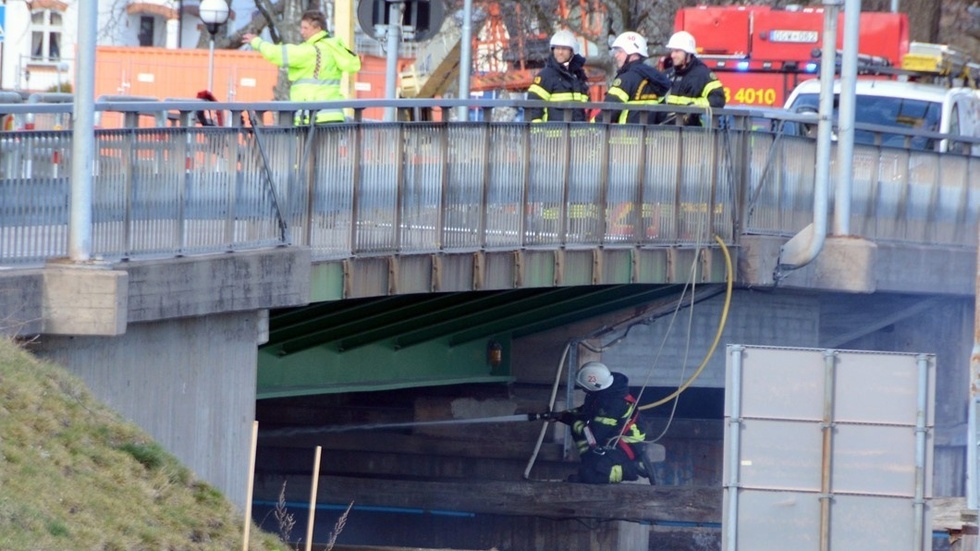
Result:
{"points": [[409, 249]]}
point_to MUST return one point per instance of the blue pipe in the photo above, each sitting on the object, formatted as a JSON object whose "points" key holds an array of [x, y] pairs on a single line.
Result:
{"points": [[936, 534], [371, 508]]}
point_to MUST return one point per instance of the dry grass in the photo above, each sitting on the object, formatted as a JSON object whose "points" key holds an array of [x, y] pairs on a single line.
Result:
{"points": [[284, 519], [339, 527], [74, 475]]}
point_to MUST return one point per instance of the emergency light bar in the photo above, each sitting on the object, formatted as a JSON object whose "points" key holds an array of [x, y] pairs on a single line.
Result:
{"points": [[727, 63], [940, 60]]}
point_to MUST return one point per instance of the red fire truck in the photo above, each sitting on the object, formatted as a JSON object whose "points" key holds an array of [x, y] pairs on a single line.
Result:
{"points": [[760, 54]]}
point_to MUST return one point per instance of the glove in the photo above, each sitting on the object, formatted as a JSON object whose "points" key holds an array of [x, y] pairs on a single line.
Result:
{"points": [[565, 417]]}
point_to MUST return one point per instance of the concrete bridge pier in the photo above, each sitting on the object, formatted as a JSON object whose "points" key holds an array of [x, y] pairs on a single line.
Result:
{"points": [[170, 344], [188, 382]]}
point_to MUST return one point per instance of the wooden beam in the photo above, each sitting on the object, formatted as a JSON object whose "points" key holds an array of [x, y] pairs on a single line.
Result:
{"points": [[382, 442], [283, 461], [630, 502]]}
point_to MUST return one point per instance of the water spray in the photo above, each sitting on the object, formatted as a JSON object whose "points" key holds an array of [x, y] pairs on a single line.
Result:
{"points": [[545, 416]]}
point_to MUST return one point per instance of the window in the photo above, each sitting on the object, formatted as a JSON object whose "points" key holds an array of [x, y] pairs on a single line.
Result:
{"points": [[46, 35], [146, 31], [907, 114]]}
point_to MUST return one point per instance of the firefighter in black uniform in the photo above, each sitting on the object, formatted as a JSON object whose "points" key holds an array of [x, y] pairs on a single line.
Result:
{"points": [[562, 80], [693, 83], [604, 428], [636, 82]]}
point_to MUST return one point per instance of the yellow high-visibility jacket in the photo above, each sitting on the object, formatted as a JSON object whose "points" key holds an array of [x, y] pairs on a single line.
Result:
{"points": [[314, 69]]}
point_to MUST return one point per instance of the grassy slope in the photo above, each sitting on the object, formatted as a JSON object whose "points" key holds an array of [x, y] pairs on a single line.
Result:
{"points": [[75, 475]]}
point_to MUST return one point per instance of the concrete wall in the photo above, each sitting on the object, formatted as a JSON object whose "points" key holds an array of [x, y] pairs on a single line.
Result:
{"points": [[188, 382], [946, 330], [668, 351], [21, 302], [171, 344]]}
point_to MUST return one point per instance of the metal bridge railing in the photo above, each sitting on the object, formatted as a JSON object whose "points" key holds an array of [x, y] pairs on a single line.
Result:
{"points": [[372, 188]]}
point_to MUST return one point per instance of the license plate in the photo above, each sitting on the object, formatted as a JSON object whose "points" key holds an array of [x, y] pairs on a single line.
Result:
{"points": [[793, 36]]}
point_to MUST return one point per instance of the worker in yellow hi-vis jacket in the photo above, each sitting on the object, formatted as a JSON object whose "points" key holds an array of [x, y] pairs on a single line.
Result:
{"points": [[314, 67]]}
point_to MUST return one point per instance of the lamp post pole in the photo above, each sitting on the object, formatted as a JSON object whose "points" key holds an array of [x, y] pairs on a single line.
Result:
{"points": [[214, 14], [211, 63], [62, 69]]}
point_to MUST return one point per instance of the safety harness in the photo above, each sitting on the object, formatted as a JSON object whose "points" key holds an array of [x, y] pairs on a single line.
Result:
{"points": [[621, 439]]}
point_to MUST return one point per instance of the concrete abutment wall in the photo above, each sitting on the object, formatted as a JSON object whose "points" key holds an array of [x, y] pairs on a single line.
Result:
{"points": [[170, 344], [188, 382]]}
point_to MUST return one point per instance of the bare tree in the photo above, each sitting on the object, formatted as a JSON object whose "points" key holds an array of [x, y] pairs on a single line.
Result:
{"points": [[113, 18], [282, 19], [960, 26]]}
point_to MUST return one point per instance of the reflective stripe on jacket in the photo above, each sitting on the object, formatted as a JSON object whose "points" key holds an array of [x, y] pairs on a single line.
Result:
{"points": [[696, 85], [610, 415], [557, 83], [313, 71], [637, 83]]}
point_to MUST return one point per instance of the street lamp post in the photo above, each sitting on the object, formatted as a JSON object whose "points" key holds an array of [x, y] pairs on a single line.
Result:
{"points": [[213, 13], [62, 67]]}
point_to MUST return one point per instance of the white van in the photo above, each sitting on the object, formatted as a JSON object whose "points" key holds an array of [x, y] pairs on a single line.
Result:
{"points": [[905, 105]]}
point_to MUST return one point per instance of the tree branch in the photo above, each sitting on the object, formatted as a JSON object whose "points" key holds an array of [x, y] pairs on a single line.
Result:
{"points": [[268, 16]]}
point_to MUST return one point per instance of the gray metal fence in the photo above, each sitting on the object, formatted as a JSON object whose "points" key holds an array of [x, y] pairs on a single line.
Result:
{"points": [[373, 188]]}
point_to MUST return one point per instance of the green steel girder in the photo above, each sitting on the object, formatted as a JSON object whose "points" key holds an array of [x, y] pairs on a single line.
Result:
{"points": [[354, 318], [324, 370], [607, 300], [477, 305], [506, 315], [551, 309], [422, 340]]}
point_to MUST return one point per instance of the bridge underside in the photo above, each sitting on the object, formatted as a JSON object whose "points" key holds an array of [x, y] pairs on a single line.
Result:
{"points": [[427, 339]]}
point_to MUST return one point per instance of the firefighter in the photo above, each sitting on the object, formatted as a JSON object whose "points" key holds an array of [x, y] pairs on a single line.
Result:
{"points": [[315, 67], [692, 82], [562, 80], [604, 428], [636, 83]]}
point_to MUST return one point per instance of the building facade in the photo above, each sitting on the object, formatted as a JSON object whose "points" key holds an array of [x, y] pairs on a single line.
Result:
{"points": [[39, 37]]}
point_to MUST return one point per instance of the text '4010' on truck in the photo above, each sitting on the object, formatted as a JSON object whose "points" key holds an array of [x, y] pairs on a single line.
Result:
{"points": [[770, 58]]}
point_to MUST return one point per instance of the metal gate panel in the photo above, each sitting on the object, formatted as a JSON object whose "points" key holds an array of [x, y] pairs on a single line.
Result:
{"points": [[780, 520], [827, 450], [785, 455]]}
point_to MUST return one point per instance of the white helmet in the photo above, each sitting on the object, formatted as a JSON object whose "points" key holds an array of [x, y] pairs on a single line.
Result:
{"points": [[683, 41], [631, 43], [594, 376], [566, 39]]}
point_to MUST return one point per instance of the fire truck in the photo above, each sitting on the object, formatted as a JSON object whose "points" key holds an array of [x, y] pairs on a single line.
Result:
{"points": [[760, 53]]}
